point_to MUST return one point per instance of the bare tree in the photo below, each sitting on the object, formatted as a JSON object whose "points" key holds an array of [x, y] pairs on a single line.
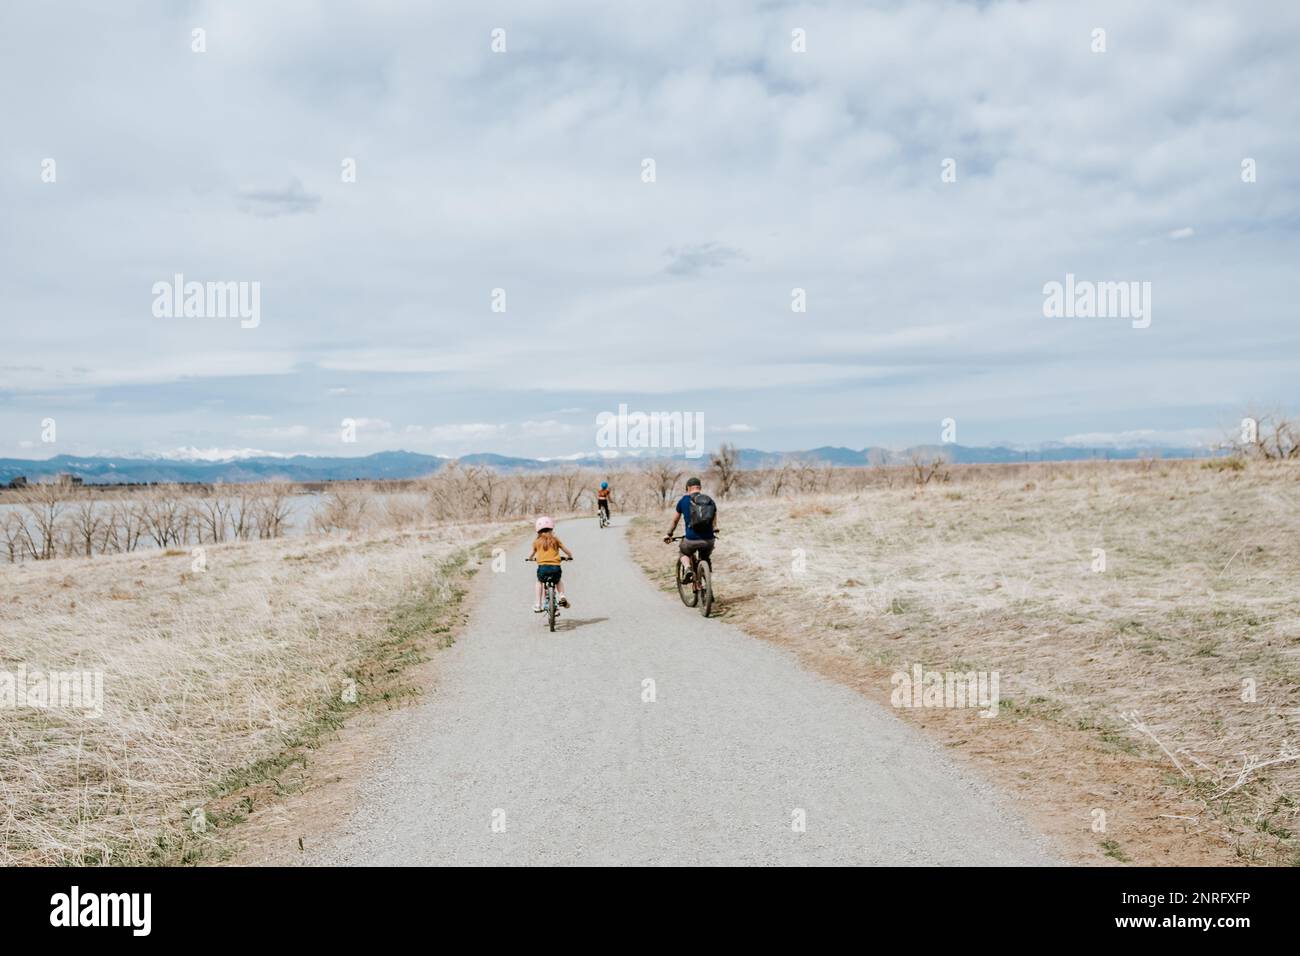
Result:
{"points": [[573, 485], [725, 463], [274, 508], [212, 512], [163, 513], [778, 478], [88, 519], [483, 483], [663, 475], [14, 532], [805, 474], [243, 514], [45, 505], [440, 490], [128, 518]]}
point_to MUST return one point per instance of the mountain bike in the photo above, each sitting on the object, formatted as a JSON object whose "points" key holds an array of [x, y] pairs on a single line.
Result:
{"points": [[549, 599], [701, 585]]}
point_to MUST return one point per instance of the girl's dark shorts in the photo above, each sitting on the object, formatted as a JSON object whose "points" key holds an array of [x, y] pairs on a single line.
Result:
{"points": [[548, 572]]}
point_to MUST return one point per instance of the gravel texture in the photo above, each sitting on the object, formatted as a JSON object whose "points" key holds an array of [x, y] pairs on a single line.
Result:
{"points": [[549, 735]]}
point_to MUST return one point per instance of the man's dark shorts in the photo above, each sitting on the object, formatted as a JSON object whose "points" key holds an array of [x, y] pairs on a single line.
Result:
{"points": [[703, 547]]}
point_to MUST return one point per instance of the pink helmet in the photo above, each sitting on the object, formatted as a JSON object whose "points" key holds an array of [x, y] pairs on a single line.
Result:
{"points": [[544, 524]]}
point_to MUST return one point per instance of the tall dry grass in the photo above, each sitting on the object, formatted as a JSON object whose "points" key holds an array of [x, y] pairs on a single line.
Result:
{"points": [[1198, 606], [207, 675]]}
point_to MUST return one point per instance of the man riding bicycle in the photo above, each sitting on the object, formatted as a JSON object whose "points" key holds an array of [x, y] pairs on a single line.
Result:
{"points": [[701, 518], [603, 495]]}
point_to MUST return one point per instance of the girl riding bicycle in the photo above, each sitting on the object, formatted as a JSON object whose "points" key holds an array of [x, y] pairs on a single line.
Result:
{"points": [[546, 552]]}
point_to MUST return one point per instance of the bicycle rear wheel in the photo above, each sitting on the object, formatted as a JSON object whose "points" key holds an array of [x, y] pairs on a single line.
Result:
{"points": [[704, 573], [550, 606], [684, 589]]}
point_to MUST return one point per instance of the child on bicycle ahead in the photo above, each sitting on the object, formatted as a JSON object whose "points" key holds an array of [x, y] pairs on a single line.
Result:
{"points": [[546, 552]]}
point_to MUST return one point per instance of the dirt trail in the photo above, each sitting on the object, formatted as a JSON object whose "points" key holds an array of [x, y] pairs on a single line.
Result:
{"points": [[549, 736]]}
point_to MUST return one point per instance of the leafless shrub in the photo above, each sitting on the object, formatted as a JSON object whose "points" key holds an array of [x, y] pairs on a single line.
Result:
{"points": [[404, 511], [725, 464], [343, 508], [1276, 438], [776, 479], [662, 475], [272, 510], [13, 531], [926, 469], [805, 475]]}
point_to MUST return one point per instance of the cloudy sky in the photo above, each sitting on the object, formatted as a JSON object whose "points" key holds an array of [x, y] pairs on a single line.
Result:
{"points": [[524, 170]]}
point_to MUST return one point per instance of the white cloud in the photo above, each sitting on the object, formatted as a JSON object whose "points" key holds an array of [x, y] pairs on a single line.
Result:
{"points": [[465, 431], [819, 171]]}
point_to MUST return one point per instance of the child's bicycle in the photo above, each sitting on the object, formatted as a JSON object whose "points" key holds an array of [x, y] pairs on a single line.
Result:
{"points": [[699, 591], [549, 600], [603, 515]]}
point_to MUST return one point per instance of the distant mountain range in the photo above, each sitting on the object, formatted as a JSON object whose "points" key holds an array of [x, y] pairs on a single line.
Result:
{"points": [[407, 464]]}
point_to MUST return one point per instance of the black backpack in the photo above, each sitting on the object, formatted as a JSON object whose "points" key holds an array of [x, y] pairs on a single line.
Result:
{"points": [[703, 511]]}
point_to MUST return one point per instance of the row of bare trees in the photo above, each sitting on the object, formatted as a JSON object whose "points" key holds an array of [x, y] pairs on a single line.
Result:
{"points": [[51, 520], [476, 493], [47, 521]]}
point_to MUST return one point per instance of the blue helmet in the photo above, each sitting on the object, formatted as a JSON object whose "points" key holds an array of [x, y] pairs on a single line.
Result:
{"points": [[604, 484]]}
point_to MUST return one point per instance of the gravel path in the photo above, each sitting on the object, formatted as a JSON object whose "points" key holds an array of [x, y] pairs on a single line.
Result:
{"points": [[548, 734]]}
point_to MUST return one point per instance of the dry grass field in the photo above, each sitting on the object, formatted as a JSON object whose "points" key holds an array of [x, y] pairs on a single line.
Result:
{"points": [[216, 683], [1148, 706], [1163, 691]]}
